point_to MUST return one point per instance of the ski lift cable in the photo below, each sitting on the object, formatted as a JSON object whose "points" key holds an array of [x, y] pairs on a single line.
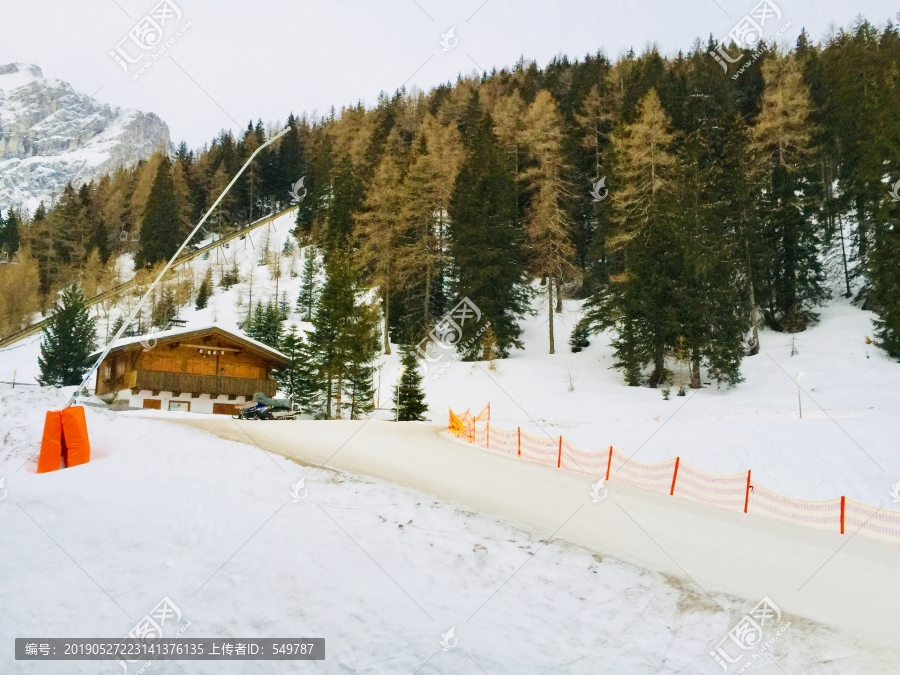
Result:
{"points": [[165, 269]]}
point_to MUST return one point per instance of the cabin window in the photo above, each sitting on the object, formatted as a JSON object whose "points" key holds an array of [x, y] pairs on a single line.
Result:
{"points": [[120, 367], [107, 371]]}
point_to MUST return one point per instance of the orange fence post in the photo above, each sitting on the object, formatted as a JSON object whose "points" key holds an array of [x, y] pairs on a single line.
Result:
{"points": [[843, 510], [559, 457], [519, 441], [747, 495], [487, 433], [609, 463], [675, 475], [489, 411]]}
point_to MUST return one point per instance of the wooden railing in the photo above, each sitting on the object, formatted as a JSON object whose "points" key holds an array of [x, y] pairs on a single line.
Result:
{"points": [[199, 384]]}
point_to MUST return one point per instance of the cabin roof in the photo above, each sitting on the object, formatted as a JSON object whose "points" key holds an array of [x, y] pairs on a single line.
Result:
{"points": [[180, 334]]}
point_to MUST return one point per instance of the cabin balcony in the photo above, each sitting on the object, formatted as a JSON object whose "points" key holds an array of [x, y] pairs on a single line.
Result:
{"points": [[214, 385]]}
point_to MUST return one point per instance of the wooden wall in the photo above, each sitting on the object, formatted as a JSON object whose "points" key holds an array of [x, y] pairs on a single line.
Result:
{"points": [[175, 356]]}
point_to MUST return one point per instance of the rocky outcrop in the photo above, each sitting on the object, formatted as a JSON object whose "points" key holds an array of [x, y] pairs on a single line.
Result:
{"points": [[51, 135]]}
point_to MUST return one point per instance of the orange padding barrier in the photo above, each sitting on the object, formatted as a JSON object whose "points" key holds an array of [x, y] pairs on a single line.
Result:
{"points": [[65, 440], [737, 491]]}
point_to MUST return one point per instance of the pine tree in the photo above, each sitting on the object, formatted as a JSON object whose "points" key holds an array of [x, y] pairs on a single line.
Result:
{"points": [[10, 236], [203, 292], [409, 398], [599, 112], [360, 393], [883, 268], [344, 202], [548, 224], [161, 222], [68, 232], [18, 297], [67, 342], [485, 240], [640, 301], [309, 291], [298, 381], [422, 263], [855, 103], [291, 160], [380, 231], [346, 332], [782, 148], [231, 276], [265, 323], [165, 309]]}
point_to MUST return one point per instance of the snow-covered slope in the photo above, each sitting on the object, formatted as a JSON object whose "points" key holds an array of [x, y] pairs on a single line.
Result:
{"points": [[51, 135], [845, 447], [161, 508], [381, 572]]}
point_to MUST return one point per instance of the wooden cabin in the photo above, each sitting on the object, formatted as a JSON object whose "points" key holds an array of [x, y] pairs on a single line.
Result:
{"points": [[206, 370]]}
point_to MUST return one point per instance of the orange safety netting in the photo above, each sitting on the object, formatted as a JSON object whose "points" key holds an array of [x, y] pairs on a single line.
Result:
{"points": [[455, 426], [585, 461], [868, 522], [501, 440], [656, 476], [729, 492], [824, 515], [539, 449], [481, 435], [736, 491]]}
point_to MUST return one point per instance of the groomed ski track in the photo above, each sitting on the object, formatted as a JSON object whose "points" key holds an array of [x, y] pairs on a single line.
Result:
{"points": [[846, 583]]}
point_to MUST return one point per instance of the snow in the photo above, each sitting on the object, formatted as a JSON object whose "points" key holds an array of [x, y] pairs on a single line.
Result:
{"points": [[846, 447], [162, 507], [380, 571], [15, 75]]}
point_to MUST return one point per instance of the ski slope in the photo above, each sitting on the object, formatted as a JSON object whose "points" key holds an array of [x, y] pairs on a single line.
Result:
{"points": [[382, 570]]}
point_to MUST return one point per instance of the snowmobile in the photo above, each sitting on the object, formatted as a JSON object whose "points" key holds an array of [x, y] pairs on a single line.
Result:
{"points": [[264, 408]]}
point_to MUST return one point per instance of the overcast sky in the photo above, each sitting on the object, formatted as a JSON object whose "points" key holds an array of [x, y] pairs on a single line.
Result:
{"points": [[238, 60]]}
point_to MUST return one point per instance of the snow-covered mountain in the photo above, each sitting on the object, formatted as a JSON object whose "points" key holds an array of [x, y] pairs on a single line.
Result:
{"points": [[50, 135]]}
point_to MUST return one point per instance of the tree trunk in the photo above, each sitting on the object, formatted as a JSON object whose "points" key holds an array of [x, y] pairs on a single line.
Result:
{"points": [[337, 398], [861, 228], [328, 399], [428, 296], [844, 257], [558, 299], [695, 369], [550, 311], [387, 322], [754, 308], [659, 371]]}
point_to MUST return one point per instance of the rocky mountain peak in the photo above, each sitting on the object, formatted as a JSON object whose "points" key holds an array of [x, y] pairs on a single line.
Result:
{"points": [[51, 135]]}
